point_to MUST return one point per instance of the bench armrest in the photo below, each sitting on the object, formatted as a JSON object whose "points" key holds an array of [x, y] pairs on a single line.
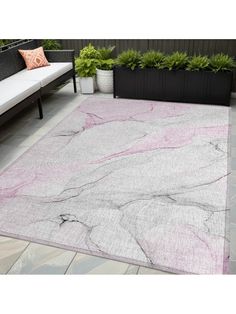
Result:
{"points": [[60, 55]]}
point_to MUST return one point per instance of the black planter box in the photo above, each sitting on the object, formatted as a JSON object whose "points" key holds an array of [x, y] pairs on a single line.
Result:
{"points": [[204, 87]]}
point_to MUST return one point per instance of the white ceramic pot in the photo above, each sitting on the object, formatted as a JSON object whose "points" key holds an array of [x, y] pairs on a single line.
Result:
{"points": [[105, 80], [87, 85]]}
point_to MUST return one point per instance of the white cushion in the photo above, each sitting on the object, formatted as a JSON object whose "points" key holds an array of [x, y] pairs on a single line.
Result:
{"points": [[44, 75], [13, 91]]}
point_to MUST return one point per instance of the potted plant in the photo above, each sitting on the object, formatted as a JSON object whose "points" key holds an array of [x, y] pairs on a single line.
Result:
{"points": [[128, 78], [86, 69], [175, 77], [209, 80], [151, 59], [85, 66], [51, 44], [221, 62], [172, 76], [104, 71]]}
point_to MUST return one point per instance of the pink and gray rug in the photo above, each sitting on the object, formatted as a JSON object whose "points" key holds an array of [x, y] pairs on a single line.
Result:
{"points": [[138, 181]]}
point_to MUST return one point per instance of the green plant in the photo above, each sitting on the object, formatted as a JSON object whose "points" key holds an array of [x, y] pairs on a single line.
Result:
{"points": [[85, 67], [221, 62], [51, 44], [175, 61], [4, 42], [151, 59], [106, 52], [198, 63], [129, 59], [106, 64], [89, 52]]}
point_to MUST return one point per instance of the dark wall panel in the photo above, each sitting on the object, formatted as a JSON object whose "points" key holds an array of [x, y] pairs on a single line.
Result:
{"points": [[166, 45]]}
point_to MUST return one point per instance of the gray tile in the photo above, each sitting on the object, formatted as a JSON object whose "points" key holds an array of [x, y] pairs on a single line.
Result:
{"points": [[232, 241], [232, 194], [233, 174], [232, 206], [232, 185], [233, 112], [10, 250], [21, 140], [4, 135], [86, 264], [41, 259], [233, 140], [233, 131], [233, 163], [232, 267], [233, 106], [233, 151], [150, 271], [132, 270], [232, 179], [8, 154]]}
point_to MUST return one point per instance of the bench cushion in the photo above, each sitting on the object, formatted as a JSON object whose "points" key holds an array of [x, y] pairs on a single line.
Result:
{"points": [[44, 75], [14, 91]]}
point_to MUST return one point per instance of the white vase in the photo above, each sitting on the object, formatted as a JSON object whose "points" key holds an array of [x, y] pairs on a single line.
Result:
{"points": [[105, 80], [87, 85]]}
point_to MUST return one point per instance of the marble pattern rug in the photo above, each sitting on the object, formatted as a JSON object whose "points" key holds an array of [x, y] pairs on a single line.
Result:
{"points": [[137, 181]]}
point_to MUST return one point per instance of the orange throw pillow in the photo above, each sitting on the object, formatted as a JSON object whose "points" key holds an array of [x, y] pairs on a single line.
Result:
{"points": [[34, 58]]}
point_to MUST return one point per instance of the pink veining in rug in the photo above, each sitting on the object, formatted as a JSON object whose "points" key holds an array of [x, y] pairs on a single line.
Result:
{"points": [[138, 181]]}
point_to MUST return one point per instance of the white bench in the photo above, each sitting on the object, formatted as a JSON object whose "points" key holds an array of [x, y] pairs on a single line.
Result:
{"points": [[20, 87]]}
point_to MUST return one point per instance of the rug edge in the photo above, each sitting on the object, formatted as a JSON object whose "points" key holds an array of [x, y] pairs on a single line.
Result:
{"points": [[87, 252]]}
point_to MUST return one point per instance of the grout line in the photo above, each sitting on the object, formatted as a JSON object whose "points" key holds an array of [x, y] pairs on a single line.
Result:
{"points": [[18, 257], [73, 258], [131, 265], [125, 273]]}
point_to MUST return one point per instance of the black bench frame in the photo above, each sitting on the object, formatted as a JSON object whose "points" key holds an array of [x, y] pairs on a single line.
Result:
{"points": [[11, 62]]}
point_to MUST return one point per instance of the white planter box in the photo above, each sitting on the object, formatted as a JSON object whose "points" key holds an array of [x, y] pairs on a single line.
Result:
{"points": [[87, 85], [105, 81]]}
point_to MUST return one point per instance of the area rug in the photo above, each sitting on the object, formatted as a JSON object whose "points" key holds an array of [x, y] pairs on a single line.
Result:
{"points": [[142, 182]]}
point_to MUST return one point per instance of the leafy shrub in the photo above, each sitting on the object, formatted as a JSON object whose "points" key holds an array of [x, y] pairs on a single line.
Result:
{"points": [[175, 61], [151, 59], [85, 67], [89, 52], [106, 52], [51, 44], [4, 42], [107, 64], [198, 63], [129, 59], [221, 62]]}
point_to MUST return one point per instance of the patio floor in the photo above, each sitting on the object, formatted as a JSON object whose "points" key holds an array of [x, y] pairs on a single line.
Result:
{"points": [[22, 257]]}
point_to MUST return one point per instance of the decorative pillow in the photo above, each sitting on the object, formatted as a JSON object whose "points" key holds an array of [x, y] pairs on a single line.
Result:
{"points": [[34, 58]]}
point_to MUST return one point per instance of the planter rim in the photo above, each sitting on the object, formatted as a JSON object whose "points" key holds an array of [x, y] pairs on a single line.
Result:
{"points": [[85, 77], [175, 70], [104, 71]]}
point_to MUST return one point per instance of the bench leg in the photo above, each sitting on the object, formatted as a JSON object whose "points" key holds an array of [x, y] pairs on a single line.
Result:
{"points": [[74, 83], [40, 109]]}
